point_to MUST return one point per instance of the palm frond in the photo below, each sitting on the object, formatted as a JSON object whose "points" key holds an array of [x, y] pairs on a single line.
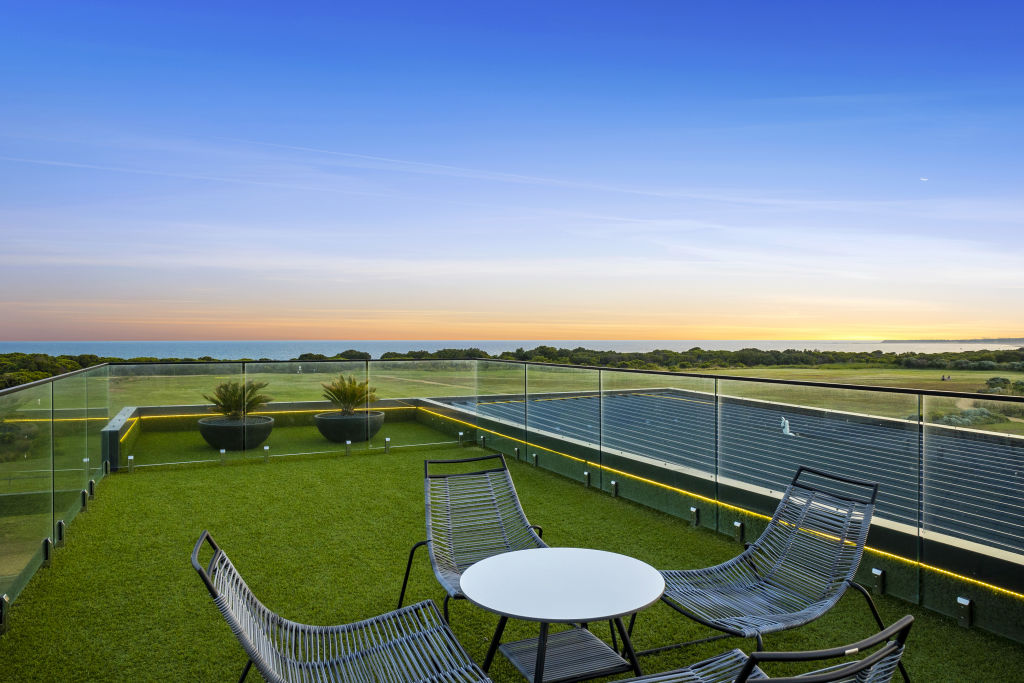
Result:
{"points": [[235, 399], [349, 394]]}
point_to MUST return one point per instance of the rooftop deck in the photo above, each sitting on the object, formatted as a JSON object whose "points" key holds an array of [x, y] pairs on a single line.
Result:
{"points": [[323, 539]]}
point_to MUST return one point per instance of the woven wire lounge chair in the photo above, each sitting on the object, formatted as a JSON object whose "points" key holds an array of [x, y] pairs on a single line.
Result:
{"points": [[410, 644], [798, 568], [470, 517], [876, 667]]}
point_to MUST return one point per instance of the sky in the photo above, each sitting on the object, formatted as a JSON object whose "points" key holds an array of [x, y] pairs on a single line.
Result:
{"points": [[511, 170]]}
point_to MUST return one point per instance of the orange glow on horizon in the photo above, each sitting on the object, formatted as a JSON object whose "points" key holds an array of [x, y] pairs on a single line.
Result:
{"points": [[526, 319]]}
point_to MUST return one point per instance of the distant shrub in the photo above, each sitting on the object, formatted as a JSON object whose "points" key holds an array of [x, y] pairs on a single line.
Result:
{"points": [[1001, 407], [997, 383], [922, 362], [971, 417]]}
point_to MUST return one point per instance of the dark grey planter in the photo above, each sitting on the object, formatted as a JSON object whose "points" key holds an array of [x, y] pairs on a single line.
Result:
{"points": [[236, 435], [339, 427]]}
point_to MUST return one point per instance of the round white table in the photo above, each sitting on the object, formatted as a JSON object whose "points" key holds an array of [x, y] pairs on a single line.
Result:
{"points": [[563, 585]]}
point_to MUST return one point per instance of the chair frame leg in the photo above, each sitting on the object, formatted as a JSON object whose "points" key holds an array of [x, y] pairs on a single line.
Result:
{"points": [[674, 646], [245, 671], [878, 619], [405, 581]]}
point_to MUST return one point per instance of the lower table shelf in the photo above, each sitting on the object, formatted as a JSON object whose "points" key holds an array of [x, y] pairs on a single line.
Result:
{"points": [[573, 655]]}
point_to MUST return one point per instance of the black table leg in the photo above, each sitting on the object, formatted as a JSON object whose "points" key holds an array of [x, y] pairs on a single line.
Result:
{"points": [[494, 643], [628, 645], [542, 646]]}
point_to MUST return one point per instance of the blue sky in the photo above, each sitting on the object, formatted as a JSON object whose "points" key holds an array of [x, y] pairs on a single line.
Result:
{"points": [[511, 170]]}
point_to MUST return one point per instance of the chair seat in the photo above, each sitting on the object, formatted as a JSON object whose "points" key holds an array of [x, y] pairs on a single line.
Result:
{"points": [[408, 645], [797, 569], [743, 608], [470, 516]]}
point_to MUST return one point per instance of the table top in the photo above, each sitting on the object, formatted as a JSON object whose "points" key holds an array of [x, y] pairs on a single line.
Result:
{"points": [[562, 584]]}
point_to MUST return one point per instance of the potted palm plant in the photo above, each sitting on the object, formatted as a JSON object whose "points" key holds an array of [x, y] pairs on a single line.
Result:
{"points": [[236, 429], [345, 424]]}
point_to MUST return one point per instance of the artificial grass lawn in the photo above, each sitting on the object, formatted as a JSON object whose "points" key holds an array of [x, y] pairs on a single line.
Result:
{"points": [[324, 540]]}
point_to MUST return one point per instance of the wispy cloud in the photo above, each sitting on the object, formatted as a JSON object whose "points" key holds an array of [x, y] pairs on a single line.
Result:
{"points": [[192, 176]]}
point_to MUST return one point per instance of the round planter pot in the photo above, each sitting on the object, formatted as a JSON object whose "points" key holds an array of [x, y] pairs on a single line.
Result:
{"points": [[340, 428], [236, 435]]}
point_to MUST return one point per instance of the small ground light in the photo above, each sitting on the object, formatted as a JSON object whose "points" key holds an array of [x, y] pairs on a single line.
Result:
{"points": [[348, 448], [5, 608], [460, 438], [877, 581], [516, 449], [737, 531], [615, 489], [266, 454], [223, 452], [586, 478], [387, 444], [534, 459], [483, 441], [964, 614], [131, 464], [694, 516]]}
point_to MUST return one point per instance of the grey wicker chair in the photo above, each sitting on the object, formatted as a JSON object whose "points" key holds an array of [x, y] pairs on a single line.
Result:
{"points": [[798, 568], [470, 517], [410, 644], [875, 667]]}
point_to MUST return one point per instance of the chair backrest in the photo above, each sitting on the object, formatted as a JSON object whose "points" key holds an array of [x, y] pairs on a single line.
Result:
{"points": [[877, 667], [258, 629], [472, 515], [814, 542]]}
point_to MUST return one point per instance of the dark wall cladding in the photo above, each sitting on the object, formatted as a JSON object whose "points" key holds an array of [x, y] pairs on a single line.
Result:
{"points": [[974, 483], [712, 451], [758, 448]]}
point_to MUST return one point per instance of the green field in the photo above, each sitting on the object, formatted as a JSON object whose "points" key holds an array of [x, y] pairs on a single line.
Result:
{"points": [[925, 380]]}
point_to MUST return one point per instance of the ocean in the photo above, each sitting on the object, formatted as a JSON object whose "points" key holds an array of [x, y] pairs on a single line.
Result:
{"points": [[286, 350]]}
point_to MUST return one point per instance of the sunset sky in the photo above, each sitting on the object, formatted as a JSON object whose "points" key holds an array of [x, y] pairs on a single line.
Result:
{"points": [[511, 170]]}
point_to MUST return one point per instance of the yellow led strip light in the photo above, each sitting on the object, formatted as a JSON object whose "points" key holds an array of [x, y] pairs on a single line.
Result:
{"points": [[263, 412], [881, 553], [56, 419], [135, 421]]}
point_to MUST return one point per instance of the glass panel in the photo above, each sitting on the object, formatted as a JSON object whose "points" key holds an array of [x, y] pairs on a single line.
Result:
{"points": [[163, 404], [973, 487], [26, 483], [768, 430], [563, 420], [428, 401], [661, 428], [501, 406], [70, 449], [97, 400], [297, 393]]}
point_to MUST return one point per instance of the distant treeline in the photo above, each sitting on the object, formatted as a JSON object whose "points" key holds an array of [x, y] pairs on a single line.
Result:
{"points": [[19, 368]]}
